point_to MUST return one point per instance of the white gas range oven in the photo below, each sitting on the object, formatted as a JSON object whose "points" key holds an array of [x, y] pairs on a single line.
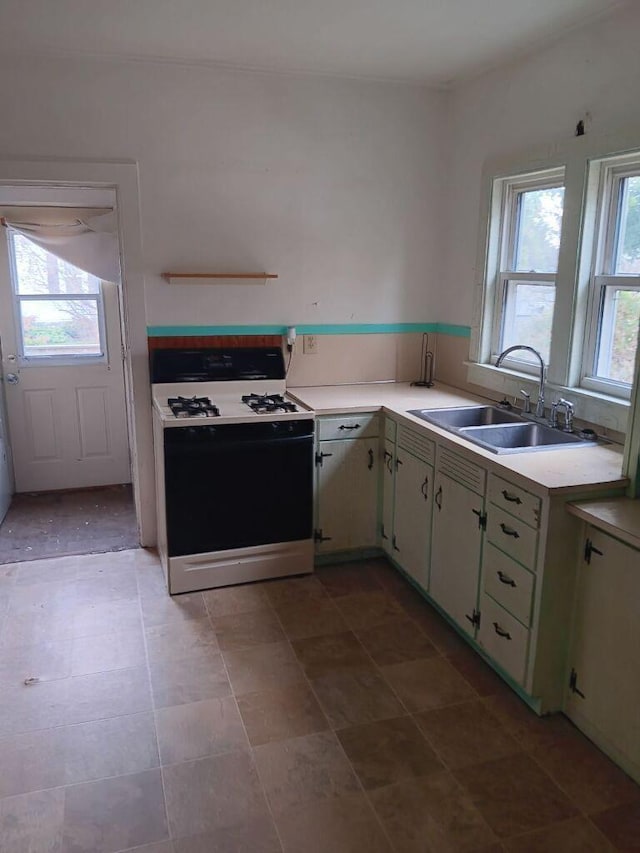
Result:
{"points": [[234, 468]]}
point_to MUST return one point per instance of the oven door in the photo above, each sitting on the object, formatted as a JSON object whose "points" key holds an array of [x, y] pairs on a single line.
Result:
{"points": [[238, 485]]}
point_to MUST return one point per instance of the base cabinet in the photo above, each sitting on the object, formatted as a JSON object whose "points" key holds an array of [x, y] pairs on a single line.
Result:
{"points": [[603, 693], [412, 516], [347, 471], [495, 556], [458, 519]]}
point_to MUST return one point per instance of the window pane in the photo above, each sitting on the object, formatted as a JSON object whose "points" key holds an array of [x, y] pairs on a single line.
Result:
{"points": [[60, 327], [627, 254], [528, 314], [539, 225], [618, 335], [38, 271]]}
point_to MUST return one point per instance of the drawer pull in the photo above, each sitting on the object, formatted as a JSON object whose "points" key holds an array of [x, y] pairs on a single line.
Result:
{"points": [[509, 531], [344, 426], [501, 632], [514, 499], [370, 463], [505, 579]]}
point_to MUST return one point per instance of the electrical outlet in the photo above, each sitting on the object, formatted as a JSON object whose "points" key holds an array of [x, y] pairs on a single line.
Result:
{"points": [[310, 345]]}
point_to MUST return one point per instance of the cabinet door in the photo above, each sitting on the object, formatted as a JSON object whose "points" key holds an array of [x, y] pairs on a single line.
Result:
{"points": [[388, 480], [604, 649], [455, 550], [412, 516], [348, 494]]}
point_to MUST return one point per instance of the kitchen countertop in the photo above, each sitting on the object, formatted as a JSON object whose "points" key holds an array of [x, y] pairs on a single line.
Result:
{"points": [[619, 517], [556, 471]]}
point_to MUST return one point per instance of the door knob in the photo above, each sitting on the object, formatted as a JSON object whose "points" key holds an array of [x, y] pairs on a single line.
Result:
{"points": [[12, 378]]}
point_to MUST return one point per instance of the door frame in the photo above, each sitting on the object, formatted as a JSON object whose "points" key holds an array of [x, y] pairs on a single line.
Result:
{"points": [[123, 177]]}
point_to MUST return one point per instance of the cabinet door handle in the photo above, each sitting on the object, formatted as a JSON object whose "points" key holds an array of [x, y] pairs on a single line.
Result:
{"points": [[424, 488], [501, 632], [514, 499], [505, 579], [344, 426], [438, 498], [370, 463], [388, 461], [393, 543], [509, 531]]}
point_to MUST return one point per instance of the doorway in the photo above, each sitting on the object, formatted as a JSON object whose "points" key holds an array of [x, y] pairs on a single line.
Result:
{"points": [[64, 388]]}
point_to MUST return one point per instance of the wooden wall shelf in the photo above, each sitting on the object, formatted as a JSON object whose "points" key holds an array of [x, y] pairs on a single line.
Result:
{"points": [[218, 277]]}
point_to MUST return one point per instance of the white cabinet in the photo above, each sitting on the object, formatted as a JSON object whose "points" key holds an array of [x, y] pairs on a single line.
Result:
{"points": [[407, 501], [412, 515], [347, 465], [388, 494], [603, 696], [458, 519]]}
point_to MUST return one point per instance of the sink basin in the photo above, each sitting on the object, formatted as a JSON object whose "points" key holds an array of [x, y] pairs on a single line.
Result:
{"points": [[517, 437], [499, 430], [466, 416]]}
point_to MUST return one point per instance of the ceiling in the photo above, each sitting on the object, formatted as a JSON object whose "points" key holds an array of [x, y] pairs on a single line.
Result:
{"points": [[435, 42]]}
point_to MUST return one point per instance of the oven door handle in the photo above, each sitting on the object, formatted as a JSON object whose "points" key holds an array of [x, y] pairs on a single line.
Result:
{"points": [[225, 444]]}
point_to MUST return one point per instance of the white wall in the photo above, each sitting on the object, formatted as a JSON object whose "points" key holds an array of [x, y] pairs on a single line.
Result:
{"points": [[536, 101], [333, 184]]}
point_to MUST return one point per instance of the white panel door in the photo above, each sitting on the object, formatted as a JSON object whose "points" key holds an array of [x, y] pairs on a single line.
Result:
{"points": [[6, 474], [67, 423]]}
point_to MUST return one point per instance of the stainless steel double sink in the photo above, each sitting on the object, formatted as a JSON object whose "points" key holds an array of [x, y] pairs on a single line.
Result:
{"points": [[500, 430]]}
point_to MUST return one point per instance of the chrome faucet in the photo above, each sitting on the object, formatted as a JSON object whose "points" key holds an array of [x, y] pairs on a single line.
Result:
{"points": [[567, 405], [543, 371]]}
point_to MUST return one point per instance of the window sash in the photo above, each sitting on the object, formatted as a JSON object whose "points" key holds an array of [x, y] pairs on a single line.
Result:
{"points": [[600, 333], [603, 278], [511, 190], [26, 360]]}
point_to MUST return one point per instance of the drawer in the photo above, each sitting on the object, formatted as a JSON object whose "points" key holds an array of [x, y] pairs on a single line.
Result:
{"points": [[508, 583], [515, 500], [503, 638], [390, 429], [512, 536], [349, 426], [416, 443]]}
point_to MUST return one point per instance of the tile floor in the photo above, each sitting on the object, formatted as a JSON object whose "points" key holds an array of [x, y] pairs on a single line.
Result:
{"points": [[336, 712]]}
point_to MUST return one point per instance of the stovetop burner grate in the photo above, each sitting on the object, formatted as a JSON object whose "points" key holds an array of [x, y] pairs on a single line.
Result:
{"points": [[268, 403], [193, 407]]}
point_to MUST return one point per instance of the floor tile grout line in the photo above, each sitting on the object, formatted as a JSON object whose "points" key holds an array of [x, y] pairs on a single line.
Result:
{"points": [[562, 788], [246, 734], [556, 823], [333, 732], [153, 709], [407, 714]]}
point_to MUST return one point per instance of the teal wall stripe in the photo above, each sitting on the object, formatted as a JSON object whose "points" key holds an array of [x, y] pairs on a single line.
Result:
{"points": [[310, 329], [454, 331]]}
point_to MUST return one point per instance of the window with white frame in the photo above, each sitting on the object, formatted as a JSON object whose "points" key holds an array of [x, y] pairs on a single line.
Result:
{"points": [[529, 230], [58, 307], [614, 313]]}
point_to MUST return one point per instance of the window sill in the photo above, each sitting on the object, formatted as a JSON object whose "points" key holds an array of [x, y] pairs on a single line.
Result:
{"points": [[600, 409]]}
